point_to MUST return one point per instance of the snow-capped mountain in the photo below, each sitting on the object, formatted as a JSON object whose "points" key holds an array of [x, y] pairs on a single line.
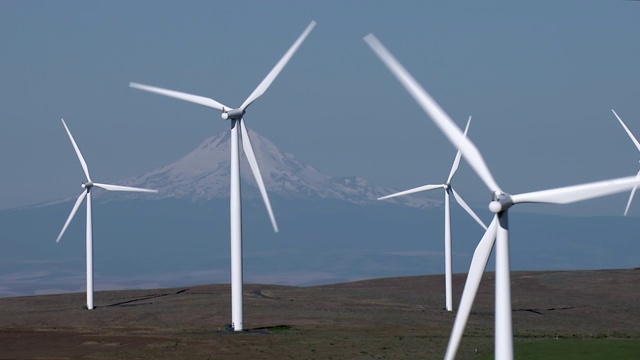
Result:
{"points": [[203, 174]]}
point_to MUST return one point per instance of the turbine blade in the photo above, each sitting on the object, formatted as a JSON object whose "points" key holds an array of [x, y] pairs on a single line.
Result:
{"points": [[123, 188], [456, 162], [251, 157], [633, 138], [266, 82], [196, 99], [78, 153], [411, 191], [439, 117], [468, 209], [478, 264], [570, 194], [72, 214], [633, 192]]}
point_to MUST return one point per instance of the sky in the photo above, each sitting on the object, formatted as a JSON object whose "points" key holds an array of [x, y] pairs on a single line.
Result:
{"points": [[540, 79]]}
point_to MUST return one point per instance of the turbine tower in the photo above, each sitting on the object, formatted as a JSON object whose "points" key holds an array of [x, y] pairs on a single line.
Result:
{"points": [[86, 193], [448, 190], [498, 230], [236, 117], [637, 144]]}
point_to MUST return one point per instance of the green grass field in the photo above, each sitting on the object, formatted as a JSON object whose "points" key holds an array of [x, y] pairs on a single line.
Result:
{"points": [[576, 349]]}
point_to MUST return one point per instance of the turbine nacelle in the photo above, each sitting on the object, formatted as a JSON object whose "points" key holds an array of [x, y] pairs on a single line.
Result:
{"points": [[232, 114], [501, 202], [87, 185]]}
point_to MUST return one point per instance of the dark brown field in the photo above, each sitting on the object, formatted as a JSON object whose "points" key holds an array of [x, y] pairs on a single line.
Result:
{"points": [[395, 318]]}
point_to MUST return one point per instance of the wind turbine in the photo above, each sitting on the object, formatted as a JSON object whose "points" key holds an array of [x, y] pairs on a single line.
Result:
{"points": [[86, 193], [635, 141], [498, 230], [237, 123], [448, 190]]}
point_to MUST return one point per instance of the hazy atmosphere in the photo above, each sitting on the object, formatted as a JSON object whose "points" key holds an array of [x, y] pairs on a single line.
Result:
{"points": [[333, 132], [539, 78]]}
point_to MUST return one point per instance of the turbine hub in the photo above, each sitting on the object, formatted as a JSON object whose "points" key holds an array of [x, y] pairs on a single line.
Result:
{"points": [[232, 114], [501, 202], [495, 207]]}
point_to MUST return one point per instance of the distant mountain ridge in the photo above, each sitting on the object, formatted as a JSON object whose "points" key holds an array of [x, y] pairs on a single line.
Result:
{"points": [[203, 174], [332, 229]]}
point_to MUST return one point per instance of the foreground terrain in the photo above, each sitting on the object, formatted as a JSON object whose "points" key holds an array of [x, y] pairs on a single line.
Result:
{"points": [[391, 318]]}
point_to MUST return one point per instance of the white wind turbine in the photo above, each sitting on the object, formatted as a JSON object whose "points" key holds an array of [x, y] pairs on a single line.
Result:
{"points": [[500, 204], [237, 122], [86, 193], [635, 141], [448, 190]]}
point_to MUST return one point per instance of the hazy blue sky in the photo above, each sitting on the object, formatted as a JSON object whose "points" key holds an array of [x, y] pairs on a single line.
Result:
{"points": [[539, 78]]}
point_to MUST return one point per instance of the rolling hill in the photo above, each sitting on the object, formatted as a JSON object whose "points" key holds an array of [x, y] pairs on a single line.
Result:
{"points": [[387, 318]]}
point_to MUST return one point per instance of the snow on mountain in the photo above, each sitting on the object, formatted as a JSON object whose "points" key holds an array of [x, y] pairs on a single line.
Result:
{"points": [[203, 174]]}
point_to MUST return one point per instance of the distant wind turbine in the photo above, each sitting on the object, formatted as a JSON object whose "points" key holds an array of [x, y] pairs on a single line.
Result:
{"points": [[635, 141], [448, 190], [498, 230], [237, 122], [86, 193]]}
